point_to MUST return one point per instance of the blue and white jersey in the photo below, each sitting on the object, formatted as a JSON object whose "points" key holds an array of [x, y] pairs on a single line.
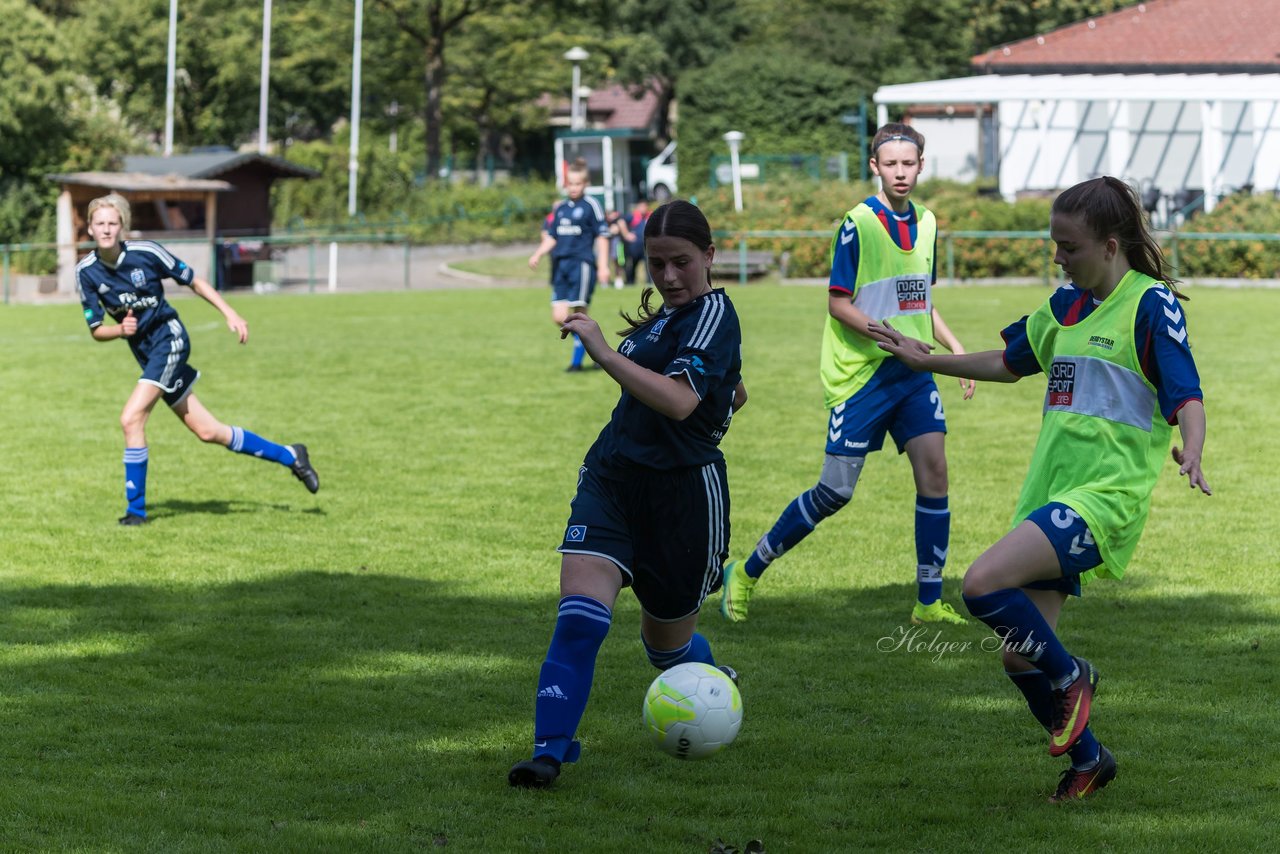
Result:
{"points": [[136, 282], [1159, 334], [700, 342], [575, 225]]}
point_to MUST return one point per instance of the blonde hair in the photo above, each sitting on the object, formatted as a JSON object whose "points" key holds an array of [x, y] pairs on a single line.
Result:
{"points": [[578, 167], [116, 202]]}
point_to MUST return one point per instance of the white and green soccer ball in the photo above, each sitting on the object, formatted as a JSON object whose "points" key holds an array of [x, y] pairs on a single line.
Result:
{"points": [[693, 711]]}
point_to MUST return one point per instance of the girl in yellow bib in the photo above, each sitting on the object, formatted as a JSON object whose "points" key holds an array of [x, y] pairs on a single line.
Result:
{"points": [[1113, 345], [883, 265]]}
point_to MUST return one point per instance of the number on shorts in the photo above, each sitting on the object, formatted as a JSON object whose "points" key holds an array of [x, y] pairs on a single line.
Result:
{"points": [[936, 399]]}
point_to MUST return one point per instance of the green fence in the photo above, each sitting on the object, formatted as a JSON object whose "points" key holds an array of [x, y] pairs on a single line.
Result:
{"points": [[1033, 247]]}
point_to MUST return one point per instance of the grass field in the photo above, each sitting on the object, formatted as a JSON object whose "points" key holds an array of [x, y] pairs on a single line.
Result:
{"points": [[263, 669]]}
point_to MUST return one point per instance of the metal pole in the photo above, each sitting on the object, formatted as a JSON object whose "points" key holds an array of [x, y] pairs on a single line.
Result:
{"points": [[353, 163], [734, 138], [311, 267], [6, 275], [407, 247], [170, 77], [573, 104], [266, 73]]}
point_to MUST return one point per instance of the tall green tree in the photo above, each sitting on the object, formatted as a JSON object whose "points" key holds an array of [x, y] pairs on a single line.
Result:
{"points": [[430, 25]]}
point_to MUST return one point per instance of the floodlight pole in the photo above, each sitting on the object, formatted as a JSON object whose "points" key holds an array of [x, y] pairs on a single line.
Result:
{"points": [[576, 55], [734, 138], [354, 163], [170, 75], [266, 74]]}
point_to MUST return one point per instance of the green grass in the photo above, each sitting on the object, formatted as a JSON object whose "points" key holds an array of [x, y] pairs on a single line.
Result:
{"points": [[504, 267], [260, 668]]}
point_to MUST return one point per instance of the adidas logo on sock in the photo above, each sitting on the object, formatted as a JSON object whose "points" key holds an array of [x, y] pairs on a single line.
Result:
{"points": [[554, 692]]}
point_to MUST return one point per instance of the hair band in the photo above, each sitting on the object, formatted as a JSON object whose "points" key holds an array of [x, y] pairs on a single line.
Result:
{"points": [[895, 138]]}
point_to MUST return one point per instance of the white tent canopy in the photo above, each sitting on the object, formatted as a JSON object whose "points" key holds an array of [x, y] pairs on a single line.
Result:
{"points": [[1210, 132]]}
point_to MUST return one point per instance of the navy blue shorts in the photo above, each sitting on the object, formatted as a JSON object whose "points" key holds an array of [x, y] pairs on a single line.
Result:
{"points": [[162, 354], [666, 531], [905, 407], [573, 281], [1072, 540]]}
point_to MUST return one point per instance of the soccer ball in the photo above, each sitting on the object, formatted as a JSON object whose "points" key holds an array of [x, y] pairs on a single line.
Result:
{"points": [[693, 711]]}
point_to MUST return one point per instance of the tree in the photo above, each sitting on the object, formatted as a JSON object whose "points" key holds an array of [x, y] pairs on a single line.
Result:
{"points": [[669, 38], [430, 24], [793, 106]]}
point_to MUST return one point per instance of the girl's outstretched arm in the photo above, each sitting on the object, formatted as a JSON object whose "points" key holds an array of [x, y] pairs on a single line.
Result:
{"points": [[987, 365]]}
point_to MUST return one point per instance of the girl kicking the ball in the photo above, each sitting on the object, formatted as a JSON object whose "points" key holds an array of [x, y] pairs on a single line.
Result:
{"points": [[1113, 345], [125, 279], [652, 507]]}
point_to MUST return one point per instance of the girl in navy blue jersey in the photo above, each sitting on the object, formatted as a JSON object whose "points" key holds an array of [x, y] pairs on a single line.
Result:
{"points": [[124, 279], [652, 506], [1113, 345]]}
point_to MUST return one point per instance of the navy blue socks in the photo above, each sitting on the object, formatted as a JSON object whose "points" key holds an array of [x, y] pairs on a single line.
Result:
{"points": [[933, 541], [565, 680]]}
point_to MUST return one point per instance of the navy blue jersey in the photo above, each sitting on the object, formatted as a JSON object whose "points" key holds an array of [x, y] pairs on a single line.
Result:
{"points": [[901, 228], [701, 342], [1159, 334], [136, 282], [575, 226]]}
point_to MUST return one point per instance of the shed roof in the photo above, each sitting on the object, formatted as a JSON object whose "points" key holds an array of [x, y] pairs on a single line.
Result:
{"points": [[1158, 35], [212, 164], [139, 182]]}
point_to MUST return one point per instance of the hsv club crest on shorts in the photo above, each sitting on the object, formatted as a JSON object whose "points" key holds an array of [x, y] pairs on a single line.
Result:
{"points": [[576, 534], [1062, 383]]}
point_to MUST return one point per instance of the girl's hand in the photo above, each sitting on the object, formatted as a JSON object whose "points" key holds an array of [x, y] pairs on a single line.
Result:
{"points": [[588, 332], [237, 325], [968, 386], [1189, 464], [128, 326], [912, 352]]}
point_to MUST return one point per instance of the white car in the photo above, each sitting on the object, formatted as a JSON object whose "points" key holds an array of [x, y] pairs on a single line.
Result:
{"points": [[660, 175]]}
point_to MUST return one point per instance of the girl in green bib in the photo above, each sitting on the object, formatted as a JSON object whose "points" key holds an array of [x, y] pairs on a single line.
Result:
{"points": [[1113, 345], [883, 265]]}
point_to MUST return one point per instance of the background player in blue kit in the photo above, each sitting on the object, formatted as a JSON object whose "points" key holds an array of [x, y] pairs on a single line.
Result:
{"points": [[124, 279], [652, 506], [1114, 347], [883, 264], [577, 236]]}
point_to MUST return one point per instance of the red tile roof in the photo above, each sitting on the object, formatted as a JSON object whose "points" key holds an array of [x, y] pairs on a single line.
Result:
{"points": [[1158, 35], [612, 107]]}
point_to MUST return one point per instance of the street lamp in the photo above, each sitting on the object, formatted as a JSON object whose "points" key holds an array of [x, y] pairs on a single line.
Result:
{"points": [[734, 138], [577, 56]]}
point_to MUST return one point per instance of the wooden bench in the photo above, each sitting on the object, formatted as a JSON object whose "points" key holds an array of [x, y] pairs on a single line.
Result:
{"points": [[728, 262]]}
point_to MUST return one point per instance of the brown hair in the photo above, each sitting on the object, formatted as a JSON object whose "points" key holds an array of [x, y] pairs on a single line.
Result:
{"points": [[1111, 208], [897, 131], [677, 218]]}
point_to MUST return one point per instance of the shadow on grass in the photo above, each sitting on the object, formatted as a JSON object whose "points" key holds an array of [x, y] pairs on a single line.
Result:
{"points": [[220, 507], [317, 709]]}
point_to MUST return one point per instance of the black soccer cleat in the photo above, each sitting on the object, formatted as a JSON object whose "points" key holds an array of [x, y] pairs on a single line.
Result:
{"points": [[730, 672], [537, 773], [302, 470], [129, 520]]}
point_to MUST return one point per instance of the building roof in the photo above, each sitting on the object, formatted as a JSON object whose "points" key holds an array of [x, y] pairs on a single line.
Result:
{"points": [[212, 164], [138, 182], [1155, 36], [993, 88], [612, 107]]}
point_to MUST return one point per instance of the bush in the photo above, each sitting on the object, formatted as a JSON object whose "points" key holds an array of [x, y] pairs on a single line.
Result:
{"points": [[391, 196]]}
